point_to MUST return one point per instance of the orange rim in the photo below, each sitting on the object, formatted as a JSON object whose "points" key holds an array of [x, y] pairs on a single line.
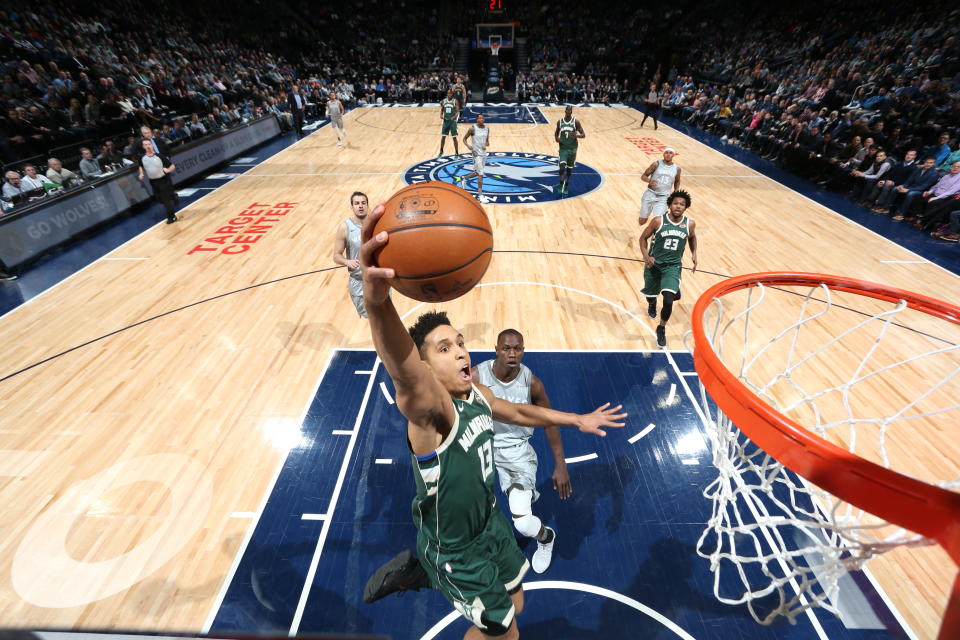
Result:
{"points": [[899, 499]]}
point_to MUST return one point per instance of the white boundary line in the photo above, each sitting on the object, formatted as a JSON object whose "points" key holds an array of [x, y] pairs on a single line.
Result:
{"points": [[259, 514], [576, 586], [589, 456], [672, 394], [315, 560], [386, 393], [906, 261], [650, 427]]}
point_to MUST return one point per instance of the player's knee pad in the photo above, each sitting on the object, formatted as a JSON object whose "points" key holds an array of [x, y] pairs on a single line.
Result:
{"points": [[528, 525], [521, 508]]}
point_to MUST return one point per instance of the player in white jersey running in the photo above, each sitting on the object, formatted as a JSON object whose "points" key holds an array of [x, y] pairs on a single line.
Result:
{"points": [[662, 178], [516, 461], [335, 113], [480, 133], [346, 248]]}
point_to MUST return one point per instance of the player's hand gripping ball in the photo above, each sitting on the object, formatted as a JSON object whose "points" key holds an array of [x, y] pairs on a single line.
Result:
{"points": [[440, 241]]}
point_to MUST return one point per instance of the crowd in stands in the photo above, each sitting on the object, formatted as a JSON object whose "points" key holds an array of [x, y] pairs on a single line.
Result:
{"points": [[867, 104], [79, 81], [851, 97], [570, 87]]}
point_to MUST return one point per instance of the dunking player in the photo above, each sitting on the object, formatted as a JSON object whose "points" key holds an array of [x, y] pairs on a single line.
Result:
{"points": [[516, 461], [449, 112], [467, 549], [568, 134], [346, 249], [663, 261], [480, 133], [662, 177]]}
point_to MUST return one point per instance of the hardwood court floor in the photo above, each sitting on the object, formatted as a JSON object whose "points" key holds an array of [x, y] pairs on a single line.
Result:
{"points": [[132, 464]]}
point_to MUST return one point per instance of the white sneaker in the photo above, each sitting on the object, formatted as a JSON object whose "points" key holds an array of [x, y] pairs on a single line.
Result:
{"points": [[544, 554], [339, 143]]}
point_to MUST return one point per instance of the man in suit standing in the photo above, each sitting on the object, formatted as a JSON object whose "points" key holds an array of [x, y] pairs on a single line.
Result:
{"points": [[296, 103]]}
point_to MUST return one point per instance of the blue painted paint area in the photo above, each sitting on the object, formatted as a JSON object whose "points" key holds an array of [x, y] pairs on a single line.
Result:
{"points": [[503, 114], [941, 253], [631, 526], [267, 584], [70, 258]]}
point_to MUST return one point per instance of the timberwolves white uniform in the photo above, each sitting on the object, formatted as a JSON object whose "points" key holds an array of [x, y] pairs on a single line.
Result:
{"points": [[355, 282], [515, 459], [654, 201], [335, 113], [480, 135]]}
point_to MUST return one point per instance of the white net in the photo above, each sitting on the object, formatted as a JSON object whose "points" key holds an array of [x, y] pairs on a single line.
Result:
{"points": [[881, 381]]}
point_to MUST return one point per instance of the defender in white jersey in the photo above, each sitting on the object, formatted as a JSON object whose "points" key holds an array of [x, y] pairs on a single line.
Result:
{"points": [[662, 178], [346, 249], [480, 133], [515, 459]]}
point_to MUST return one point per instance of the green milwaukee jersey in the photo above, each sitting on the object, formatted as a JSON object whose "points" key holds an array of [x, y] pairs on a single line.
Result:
{"points": [[449, 110], [669, 241], [455, 495], [568, 134]]}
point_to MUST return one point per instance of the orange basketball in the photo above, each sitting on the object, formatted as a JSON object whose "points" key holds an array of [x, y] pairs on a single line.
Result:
{"points": [[440, 241]]}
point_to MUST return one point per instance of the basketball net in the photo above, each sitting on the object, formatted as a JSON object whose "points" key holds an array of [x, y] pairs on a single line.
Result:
{"points": [[495, 42], [792, 511]]}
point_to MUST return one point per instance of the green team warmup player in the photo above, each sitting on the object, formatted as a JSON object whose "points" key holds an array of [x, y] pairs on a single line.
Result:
{"points": [[466, 546], [663, 262], [568, 134], [449, 113]]}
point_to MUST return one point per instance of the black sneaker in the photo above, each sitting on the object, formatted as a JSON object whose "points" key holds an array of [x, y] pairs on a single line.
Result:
{"points": [[400, 574], [661, 336], [652, 310]]}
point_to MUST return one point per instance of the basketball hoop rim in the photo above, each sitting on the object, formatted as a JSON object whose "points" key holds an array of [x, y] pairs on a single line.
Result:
{"points": [[929, 510]]}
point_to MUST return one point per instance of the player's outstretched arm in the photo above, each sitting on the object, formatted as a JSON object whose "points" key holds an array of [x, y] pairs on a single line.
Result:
{"points": [[529, 415], [420, 397], [676, 180], [580, 133]]}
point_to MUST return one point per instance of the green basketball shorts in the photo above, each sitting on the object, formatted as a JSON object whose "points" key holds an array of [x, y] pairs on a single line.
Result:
{"points": [[660, 278], [478, 579]]}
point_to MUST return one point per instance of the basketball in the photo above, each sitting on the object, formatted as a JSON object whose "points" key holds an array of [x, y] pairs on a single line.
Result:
{"points": [[440, 241]]}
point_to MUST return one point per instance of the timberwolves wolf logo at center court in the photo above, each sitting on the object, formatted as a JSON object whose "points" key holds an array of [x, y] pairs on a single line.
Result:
{"points": [[509, 177]]}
